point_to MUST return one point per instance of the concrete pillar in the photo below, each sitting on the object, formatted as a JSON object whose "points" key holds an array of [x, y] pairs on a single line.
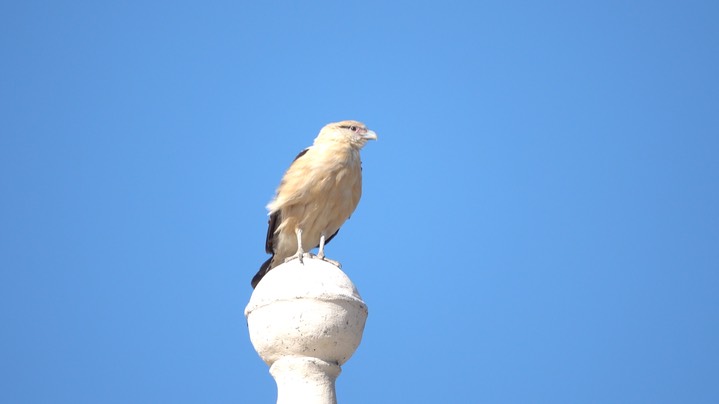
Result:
{"points": [[305, 321]]}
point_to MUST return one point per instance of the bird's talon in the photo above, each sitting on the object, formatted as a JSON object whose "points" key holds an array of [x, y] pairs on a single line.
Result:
{"points": [[333, 262]]}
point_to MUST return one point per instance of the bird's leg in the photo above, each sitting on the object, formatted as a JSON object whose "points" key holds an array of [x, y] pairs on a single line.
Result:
{"points": [[300, 251], [321, 252]]}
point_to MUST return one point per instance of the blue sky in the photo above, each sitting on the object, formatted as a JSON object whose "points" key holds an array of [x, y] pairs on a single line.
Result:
{"points": [[539, 220]]}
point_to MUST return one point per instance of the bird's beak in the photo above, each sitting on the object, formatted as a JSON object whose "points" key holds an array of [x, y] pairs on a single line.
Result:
{"points": [[369, 135]]}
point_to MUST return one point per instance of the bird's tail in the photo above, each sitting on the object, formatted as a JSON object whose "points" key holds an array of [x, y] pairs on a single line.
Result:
{"points": [[264, 268]]}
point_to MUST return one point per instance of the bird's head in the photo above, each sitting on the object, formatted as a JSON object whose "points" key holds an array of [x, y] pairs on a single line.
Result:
{"points": [[352, 132]]}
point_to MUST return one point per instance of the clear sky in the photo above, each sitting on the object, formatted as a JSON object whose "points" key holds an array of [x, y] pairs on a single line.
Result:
{"points": [[539, 224]]}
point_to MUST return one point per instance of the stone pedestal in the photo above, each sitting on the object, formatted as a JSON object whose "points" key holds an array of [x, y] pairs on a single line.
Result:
{"points": [[305, 321]]}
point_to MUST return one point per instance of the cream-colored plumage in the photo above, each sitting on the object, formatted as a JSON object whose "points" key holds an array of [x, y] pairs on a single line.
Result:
{"points": [[317, 194]]}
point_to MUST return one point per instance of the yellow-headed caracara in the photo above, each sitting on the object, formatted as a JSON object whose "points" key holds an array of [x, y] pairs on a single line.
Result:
{"points": [[317, 194]]}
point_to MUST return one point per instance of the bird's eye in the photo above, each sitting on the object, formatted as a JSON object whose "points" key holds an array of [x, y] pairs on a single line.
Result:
{"points": [[353, 128]]}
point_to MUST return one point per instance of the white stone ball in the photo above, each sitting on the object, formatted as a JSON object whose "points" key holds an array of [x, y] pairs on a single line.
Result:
{"points": [[306, 310]]}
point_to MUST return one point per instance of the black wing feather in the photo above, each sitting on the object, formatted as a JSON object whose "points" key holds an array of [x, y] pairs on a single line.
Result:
{"points": [[275, 220], [327, 241]]}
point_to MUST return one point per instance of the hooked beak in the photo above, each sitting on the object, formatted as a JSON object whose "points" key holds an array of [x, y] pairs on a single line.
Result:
{"points": [[369, 135]]}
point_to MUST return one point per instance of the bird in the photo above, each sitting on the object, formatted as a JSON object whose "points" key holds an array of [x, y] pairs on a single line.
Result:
{"points": [[317, 194]]}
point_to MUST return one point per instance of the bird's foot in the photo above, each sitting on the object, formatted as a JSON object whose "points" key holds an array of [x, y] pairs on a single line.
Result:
{"points": [[333, 262], [299, 256]]}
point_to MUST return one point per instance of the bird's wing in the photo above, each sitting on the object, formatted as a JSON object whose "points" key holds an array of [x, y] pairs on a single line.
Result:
{"points": [[302, 153], [275, 220], [330, 238], [276, 217]]}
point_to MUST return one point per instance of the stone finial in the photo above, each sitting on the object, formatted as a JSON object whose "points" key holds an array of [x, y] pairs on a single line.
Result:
{"points": [[305, 321]]}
